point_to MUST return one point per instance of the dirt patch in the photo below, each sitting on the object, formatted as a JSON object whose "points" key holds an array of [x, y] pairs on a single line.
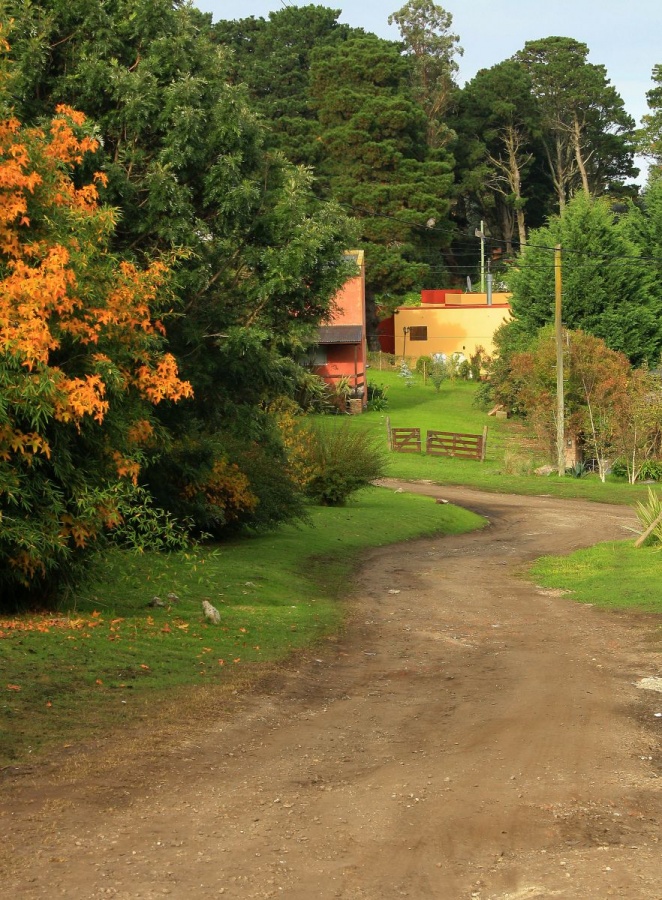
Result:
{"points": [[467, 737]]}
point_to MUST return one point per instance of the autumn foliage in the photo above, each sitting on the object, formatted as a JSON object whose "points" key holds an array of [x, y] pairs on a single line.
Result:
{"points": [[82, 358]]}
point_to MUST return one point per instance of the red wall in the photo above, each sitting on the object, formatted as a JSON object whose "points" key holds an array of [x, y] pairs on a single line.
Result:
{"points": [[386, 335], [438, 297]]}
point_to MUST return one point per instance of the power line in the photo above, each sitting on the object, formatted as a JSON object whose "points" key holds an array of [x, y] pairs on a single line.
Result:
{"points": [[493, 240]]}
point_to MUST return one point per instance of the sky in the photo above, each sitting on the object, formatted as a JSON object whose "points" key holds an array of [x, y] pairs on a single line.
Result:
{"points": [[625, 37]]}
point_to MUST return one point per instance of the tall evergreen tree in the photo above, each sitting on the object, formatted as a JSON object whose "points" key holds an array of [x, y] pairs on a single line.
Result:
{"points": [[377, 162], [608, 290], [650, 135], [272, 58], [425, 30], [498, 125], [586, 131]]}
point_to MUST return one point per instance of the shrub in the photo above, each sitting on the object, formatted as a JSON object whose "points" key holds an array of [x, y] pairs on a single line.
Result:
{"points": [[377, 399], [464, 370], [438, 374], [651, 471], [647, 512], [82, 359], [343, 460], [143, 526], [423, 361], [311, 392], [406, 373], [225, 482]]}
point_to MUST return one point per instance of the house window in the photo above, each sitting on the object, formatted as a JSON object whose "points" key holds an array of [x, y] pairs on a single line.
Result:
{"points": [[317, 356], [418, 333]]}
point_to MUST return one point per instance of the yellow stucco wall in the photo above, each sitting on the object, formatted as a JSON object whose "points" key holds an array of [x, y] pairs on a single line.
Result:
{"points": [[450, 329]]}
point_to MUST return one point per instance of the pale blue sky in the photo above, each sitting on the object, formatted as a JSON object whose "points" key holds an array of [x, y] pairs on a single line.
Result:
{"points": [[625, 37]]}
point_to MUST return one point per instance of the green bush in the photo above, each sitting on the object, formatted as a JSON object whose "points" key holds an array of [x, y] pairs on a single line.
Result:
{"points": [[377, 399], [437, 374], [342, 460], [423, 361], [650, 471], [143, 525]]}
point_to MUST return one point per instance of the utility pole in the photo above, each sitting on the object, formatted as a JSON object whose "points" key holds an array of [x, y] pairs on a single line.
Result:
{"points": [[560, 406], [480, 233]]}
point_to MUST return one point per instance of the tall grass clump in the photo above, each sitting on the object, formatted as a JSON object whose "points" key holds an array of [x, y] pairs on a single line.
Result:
{"points": [[341, 461]]}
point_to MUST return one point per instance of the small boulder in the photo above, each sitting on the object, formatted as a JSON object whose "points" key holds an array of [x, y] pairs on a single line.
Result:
{"points": [[210, 613]]}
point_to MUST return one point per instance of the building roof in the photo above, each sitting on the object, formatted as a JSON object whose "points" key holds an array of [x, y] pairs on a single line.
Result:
{"points": [[340, 334]]}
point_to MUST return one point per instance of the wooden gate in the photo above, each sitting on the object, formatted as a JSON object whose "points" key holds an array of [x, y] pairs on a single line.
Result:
{"points": [[406, 440], [459, 446]]}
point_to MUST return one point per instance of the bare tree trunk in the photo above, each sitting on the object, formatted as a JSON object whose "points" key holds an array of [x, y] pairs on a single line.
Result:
{"points": [[507, 223], [576, 139], [509, 183], [516, 164]]}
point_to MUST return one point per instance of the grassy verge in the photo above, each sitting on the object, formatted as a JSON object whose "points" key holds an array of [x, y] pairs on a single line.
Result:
{"points": [[110, 657], [615, 575], [509, 453]]}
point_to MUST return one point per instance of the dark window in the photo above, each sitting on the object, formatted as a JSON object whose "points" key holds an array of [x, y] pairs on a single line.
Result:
{"points": [[418, 333]]}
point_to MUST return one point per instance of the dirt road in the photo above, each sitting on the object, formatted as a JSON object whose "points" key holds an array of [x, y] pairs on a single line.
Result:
{"points": [[470, 736]]}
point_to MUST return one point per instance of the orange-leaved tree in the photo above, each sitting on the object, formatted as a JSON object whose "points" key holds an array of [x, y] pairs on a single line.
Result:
{"points": [[82, 357]]}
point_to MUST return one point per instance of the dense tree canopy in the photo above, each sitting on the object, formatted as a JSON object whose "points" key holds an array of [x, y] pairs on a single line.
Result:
{"points": [[499, 123], [376, 161], [608, 290], [587, 133], [355, 107], [425, 30], [257, 259]]}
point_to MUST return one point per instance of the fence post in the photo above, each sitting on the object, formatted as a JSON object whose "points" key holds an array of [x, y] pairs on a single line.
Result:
{"points": [[484, 447], [425, 372], [388, 432]]}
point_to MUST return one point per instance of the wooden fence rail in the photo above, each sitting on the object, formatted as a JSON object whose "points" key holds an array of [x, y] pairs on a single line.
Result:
{"points": [[459, 446], [406, 440], [438, 443]]}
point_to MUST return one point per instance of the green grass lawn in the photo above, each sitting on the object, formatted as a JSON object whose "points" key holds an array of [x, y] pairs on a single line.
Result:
{"points": [[109, 658], [615, 575], [509, 452]]}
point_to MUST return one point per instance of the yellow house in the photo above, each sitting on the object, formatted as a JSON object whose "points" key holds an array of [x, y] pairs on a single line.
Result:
{"points": [[458, 327]]}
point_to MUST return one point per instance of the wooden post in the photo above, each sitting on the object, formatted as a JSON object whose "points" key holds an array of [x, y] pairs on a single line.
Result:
{"points": [[388, 432], [651, 528], [380, 360], [425, 372], [484, 447], [560, 411]]}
